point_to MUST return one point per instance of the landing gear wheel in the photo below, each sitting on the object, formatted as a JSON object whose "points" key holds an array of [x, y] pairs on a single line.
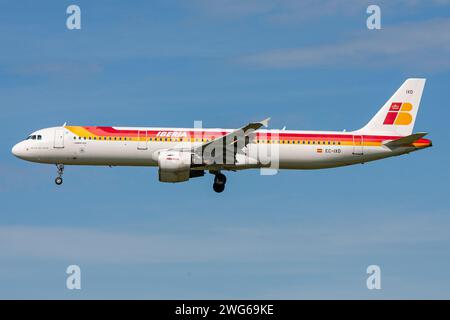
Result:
{"points": [[220, 178], [60, 168], [219, 182], [218, 187]]}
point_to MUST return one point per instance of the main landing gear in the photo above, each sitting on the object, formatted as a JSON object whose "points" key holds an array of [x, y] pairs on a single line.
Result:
{"points": [[59, 179], [219, 182]]}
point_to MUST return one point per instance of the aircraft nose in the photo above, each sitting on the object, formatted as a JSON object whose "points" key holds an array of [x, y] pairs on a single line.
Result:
{"points": [[18, 150], [15, 150]]}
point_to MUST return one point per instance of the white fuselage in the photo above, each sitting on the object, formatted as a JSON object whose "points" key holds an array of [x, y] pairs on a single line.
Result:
{"points": [[141, 147]]}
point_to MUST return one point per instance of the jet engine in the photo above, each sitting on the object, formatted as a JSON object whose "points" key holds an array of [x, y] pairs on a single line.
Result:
{"points": [[175, 166]]}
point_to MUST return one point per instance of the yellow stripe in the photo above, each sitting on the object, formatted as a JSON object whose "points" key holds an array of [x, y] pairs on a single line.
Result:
{"points": [[82, 132]]}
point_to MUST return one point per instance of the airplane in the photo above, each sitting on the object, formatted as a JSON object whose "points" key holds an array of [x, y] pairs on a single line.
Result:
{"points": [[184, 153]]}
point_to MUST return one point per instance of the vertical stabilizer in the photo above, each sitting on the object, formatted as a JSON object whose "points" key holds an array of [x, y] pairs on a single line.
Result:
{"points": [[398, 115]]}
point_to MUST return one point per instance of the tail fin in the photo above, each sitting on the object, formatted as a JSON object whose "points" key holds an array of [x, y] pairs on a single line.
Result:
{"points": [[399, 113]]}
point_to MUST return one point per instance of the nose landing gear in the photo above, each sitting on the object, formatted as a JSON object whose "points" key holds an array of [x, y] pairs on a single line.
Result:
{"points": [[219, 182], [59, 179]]}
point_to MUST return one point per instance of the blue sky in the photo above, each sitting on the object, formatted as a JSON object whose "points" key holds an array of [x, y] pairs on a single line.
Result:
{"points": [[298, 234]]}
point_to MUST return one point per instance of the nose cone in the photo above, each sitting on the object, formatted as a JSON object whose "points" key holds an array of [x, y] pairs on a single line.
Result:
{"points": [[18, 150], [14, 150]]}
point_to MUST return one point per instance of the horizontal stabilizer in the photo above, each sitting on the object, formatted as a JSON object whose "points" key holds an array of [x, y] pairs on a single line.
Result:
{"points": [[405, 141]]}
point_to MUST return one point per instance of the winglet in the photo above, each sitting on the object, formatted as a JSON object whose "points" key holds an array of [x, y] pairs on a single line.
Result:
{"points": [[265, 122]]}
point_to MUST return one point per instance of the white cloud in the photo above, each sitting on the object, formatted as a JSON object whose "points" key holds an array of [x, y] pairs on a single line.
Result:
{"points": [[304, 10], [307, 241], [64, 69], [420, 46]]}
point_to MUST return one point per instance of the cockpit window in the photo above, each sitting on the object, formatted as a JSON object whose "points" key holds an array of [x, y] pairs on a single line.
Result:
{"points": [[34, 137]]}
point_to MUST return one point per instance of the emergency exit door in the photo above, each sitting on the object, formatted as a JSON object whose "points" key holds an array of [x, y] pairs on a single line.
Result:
{"points": [[142, 140]]}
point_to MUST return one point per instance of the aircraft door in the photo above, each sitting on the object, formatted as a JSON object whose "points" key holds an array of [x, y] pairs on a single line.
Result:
{"points": [[142, 140], [358, 145], [59, 138]]}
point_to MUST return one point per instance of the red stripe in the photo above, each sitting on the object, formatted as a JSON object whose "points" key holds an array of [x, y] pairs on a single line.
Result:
{"points": [[110, 131]]}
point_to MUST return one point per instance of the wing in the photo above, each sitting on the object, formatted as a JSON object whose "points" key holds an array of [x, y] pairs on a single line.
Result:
{"points": [[233, 137], [231, 143]]}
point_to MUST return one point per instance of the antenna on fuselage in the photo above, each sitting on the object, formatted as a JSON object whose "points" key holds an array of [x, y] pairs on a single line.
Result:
{"points": [[64, 124]]}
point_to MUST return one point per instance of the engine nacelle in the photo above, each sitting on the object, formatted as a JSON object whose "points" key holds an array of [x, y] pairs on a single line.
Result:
{"points": [[174, 166]]}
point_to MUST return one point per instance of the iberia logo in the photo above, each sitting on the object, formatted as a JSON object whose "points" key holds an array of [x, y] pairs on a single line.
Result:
{"points": [[399, 114]]}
